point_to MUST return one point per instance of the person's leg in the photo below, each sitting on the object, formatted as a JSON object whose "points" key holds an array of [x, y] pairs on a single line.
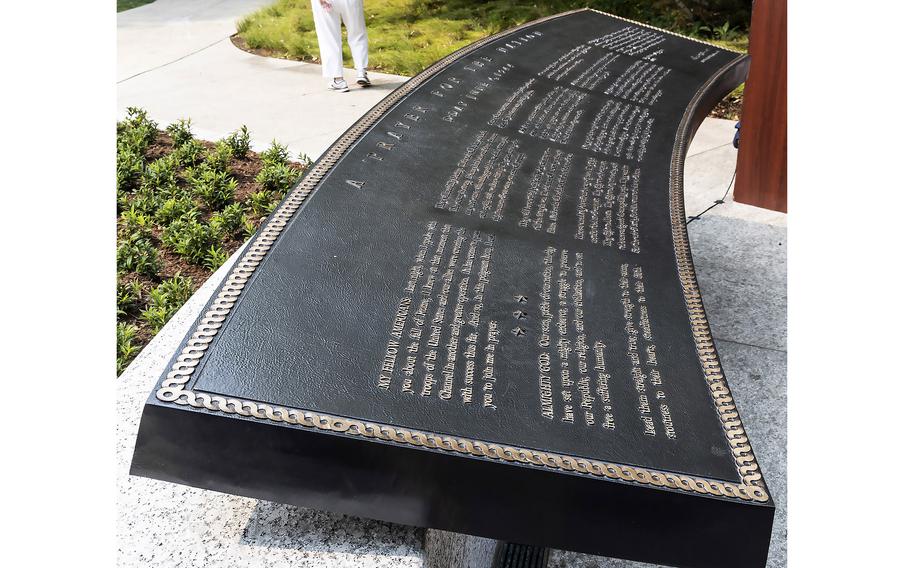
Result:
{"points": [[328, 31], [352, 15]]}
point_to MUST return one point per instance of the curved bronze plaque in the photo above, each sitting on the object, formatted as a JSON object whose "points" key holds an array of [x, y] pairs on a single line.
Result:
{"points": [[478, 312]]}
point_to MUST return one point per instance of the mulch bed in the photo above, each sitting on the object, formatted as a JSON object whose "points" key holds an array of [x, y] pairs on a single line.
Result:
{"points": [[730, 108], [244, 170]]}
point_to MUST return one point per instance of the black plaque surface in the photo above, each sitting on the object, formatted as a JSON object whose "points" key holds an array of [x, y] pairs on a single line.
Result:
{"points": [[478, 312]]}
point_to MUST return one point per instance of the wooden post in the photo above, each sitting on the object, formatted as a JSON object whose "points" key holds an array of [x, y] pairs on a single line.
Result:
{"points": [[761, 167]]}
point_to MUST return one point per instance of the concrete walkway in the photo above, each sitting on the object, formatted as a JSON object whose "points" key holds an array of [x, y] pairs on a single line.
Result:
{"points": [[176, 60]]}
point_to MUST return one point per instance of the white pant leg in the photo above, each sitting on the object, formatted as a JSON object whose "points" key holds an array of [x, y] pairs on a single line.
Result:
{"points": [[328, 31], [352, 15]]}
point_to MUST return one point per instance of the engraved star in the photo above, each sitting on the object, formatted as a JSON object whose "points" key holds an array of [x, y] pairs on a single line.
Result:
{"points": [[521, 299], [520, 314], [518, 332]]}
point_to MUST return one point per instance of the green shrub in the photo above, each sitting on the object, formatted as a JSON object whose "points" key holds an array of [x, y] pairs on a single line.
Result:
{"points": [[126, 346], [133, 140], [214, 187], [239, 142], [165, 300], [138, 117], [174, 208], [146, 200], [249, 228], [180, 132], [219, 158], [259, 203], [189, 238], [155, 318], [179, 287], [229, 222], [136, 253], [276, 154], [123, 200], [189, 153], [723, 32], [172, 233], [215, 257], [172, 293], [134, 221], [174, 194], [161, 175], [276, 177], [137, 130], [129, 296], [304, 160], [130, 165]]}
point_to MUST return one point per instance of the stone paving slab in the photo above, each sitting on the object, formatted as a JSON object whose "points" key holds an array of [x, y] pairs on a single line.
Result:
{"points": [[176, 60], [222, 88], [743, 280], [163, 31], [709, 170]]}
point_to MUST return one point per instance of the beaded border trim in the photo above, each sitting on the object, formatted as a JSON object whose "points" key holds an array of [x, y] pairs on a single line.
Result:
{"points": [[704, 342], [649, 26], [173, 386]]}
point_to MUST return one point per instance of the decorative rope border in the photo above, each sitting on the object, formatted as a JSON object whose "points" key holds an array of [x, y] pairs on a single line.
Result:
{"points": [[649, 26], [173, 387], [704, 343]]}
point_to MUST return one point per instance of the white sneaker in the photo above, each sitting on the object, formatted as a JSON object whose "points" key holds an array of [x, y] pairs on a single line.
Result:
{"points": [[362, 79], [339, 85]]}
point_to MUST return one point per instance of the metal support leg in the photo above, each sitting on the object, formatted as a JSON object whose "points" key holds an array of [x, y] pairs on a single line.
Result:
{"points": [[446, 549], [511, 555]]}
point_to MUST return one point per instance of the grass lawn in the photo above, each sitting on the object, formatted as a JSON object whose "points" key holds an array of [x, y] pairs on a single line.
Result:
{"points": [[128, 4], [406, 36], [183, 206]]}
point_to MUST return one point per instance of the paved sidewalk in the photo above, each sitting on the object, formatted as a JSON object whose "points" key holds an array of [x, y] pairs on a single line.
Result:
{"points": [[175, 59]]}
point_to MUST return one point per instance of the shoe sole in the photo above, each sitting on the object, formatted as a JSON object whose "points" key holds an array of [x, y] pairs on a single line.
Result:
{"points": [[344, 90], [364, 83]]}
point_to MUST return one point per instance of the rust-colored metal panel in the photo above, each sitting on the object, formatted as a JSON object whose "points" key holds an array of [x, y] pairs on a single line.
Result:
{"points": [[761, 169]]}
